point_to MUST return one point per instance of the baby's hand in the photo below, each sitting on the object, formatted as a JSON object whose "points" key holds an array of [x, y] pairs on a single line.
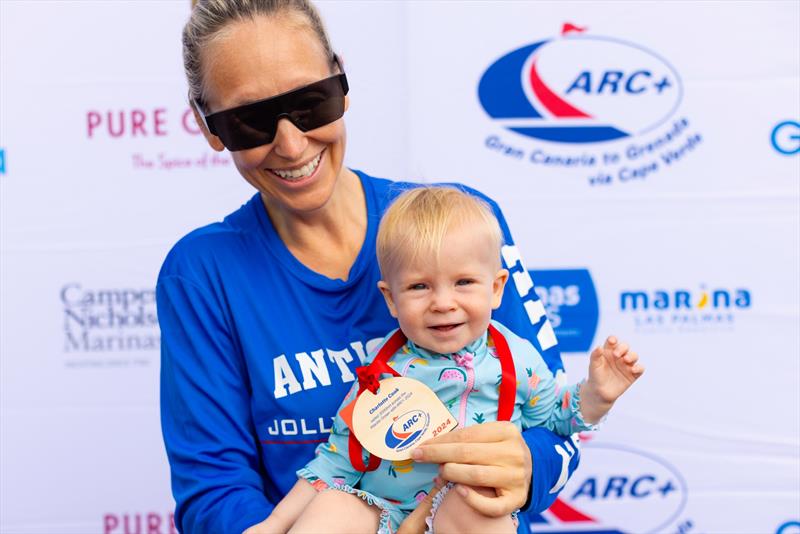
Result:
{"points": [[612, 370]]}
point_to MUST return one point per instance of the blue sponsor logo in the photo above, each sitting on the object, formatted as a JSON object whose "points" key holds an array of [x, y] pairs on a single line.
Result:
{"points": [[584, 95], [406, 430], [579, 88], [789, 527], [683, 307], [570, 299], [621, 490], [785, 138]]}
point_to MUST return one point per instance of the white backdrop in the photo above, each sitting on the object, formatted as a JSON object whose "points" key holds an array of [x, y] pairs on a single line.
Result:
{"points": [[101, 171]]}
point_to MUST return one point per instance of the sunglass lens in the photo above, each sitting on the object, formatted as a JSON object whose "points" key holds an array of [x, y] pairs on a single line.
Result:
{"points": [[322, 113], [250, 128]]}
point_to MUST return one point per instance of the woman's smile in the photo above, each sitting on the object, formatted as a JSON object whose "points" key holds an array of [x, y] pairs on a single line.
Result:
{"points": [[299, 175]]}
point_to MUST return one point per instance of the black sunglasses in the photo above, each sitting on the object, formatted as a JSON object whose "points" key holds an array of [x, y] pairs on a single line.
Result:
{"points": [[255, 124]]}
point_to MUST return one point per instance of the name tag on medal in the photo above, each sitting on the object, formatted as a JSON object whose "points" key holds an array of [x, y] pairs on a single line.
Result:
{"points": [[404, 413]]}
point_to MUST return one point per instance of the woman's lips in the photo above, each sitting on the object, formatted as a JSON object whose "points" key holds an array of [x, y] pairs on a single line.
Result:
{"points": [[302, 173]]}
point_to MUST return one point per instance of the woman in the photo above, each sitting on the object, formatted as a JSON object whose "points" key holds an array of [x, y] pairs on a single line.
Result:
{"points": [[265, 316]]}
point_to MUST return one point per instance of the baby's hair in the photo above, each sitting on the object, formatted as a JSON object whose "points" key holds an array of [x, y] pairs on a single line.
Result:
{"points": [[417, 221]]}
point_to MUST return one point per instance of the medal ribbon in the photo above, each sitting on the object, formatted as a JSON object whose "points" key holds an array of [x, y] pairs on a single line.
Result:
{"points": [[369, 378]]}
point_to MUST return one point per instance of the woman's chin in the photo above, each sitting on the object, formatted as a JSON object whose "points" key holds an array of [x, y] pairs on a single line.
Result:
{"points": [[301, 200]]}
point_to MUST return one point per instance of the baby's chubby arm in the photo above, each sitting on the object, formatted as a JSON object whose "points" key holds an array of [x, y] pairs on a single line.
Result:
{"points": [[613, 368]]}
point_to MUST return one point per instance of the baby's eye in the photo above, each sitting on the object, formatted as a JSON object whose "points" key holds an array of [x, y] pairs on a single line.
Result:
{"points": [[465, 282], [417, 286]]}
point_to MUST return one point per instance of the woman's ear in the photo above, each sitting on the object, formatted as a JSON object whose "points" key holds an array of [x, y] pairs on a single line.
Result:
{"points": [[387, 295], [498, 285], [213, 140]]}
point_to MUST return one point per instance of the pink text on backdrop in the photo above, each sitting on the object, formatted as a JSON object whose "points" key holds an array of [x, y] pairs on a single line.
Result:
{"points": [[125, 123]]}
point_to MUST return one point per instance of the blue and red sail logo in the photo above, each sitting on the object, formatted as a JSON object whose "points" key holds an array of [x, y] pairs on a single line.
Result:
{"points": [[406, 430], [580, 88], [617, 490]]}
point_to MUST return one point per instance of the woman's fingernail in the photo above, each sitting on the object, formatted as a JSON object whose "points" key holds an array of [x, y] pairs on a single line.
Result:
{"points": [[461, 490], [416, 454]]}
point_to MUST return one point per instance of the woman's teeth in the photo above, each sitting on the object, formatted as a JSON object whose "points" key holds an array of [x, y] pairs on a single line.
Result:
{"points": [[302, 172]]}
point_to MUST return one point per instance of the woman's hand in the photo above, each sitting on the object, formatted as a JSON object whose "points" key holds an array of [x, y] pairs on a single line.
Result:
{"points": [[492, 455]]}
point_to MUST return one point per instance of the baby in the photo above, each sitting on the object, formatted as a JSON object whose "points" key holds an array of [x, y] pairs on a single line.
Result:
{"points": [[439, 254]]}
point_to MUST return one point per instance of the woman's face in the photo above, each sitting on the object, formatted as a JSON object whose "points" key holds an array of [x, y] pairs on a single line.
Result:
{"points": [[259, 58]]}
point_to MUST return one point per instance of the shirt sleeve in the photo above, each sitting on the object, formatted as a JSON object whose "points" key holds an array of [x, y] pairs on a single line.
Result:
{"points": [[523, 313], [205, 415], [554, 460]]}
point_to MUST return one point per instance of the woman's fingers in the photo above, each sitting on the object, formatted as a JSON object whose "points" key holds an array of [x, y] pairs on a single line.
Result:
{"points": [[483, 433], [491, 506], [490, 476], [473, 444], [488, 455], [464, 453]]}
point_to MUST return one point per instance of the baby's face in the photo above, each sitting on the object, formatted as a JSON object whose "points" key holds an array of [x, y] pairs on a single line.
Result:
{"points": [[444, 307]]}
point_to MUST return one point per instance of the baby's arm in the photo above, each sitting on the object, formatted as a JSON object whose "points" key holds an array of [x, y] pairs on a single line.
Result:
{"points": [[613, 368], [577, 407]]}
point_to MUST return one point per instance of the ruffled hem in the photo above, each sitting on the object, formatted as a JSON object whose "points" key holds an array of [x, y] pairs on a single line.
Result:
{"points": [[437, 501], [577, 422], [384, 523]]}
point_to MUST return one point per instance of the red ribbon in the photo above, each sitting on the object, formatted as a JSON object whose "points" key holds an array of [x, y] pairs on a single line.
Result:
{"points": [[508, 382], [369, 375], [368, 379]]}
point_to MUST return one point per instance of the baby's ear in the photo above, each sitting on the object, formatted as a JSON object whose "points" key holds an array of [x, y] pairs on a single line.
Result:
{"points": [[387, 295], [498, 286]]}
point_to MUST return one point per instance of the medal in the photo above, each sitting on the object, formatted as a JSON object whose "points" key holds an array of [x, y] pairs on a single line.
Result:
{"points": [[390, 417]]}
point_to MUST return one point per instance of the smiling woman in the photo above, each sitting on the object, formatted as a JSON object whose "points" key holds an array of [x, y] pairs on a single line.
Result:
{"points": [[296, 172], [245, 304]]}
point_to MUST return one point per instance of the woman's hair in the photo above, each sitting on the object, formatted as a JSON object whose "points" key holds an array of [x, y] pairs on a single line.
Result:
{"points": [[210, 17], [418, 220]]}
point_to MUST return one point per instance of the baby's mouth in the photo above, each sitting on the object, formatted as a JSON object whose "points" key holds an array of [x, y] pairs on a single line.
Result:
{"points": [[445, 327]]}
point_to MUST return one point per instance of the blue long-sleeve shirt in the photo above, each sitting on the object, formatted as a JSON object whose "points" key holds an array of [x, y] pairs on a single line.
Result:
{"points": [[258, 351]]}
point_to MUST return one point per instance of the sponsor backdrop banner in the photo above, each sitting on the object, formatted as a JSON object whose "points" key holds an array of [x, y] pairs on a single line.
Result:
{"points": [[646, 155]]}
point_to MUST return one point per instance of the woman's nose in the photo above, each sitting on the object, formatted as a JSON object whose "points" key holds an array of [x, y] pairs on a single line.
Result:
{"points": [[290, 142]]}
